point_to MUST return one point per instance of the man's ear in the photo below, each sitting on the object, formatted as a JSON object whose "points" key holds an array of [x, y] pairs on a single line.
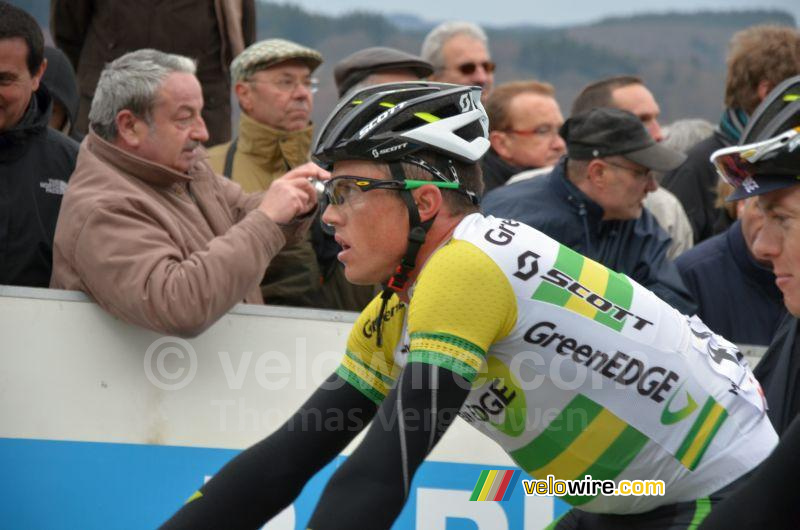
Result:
{"points": [[129, 128], [37, 77], [597, 173], [244, 95], [764, 88], [429, 201], [500, 141]]}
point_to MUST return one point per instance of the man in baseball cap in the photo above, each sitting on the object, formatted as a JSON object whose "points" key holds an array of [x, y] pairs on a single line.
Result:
{"points": [[592, 200], [372, 66], [274, 85]]}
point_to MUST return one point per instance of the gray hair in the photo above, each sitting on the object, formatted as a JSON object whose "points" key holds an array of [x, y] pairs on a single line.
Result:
{"points": [[434, 42], [682, 135], [131, 82]]}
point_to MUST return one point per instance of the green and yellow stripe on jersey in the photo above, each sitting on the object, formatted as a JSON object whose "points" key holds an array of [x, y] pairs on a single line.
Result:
{"points": [[584, 439], [612, 286], [705, 427]]}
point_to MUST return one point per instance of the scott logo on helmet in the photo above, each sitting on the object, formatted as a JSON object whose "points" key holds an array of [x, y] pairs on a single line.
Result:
{"points": [[378, 119], [378, 153]]}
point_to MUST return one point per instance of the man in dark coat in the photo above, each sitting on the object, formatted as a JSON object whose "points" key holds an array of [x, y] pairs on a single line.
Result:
{"points": [[35, 161], [213, 32], [592, 200]]}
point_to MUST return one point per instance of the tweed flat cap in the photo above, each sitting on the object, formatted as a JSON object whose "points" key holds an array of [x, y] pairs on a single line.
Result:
{"points": [[270, 52], [357, 66]]}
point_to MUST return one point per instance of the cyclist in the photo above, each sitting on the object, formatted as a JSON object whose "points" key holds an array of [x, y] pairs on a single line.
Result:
{"points": [[766, 164], [491, 320]]}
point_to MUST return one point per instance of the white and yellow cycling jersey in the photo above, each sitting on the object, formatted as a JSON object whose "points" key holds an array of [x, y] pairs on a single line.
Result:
{"points": [[575, 369]]}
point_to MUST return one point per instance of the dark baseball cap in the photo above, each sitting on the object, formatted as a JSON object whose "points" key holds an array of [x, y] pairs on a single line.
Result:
{"points": [[603, 132], [357, 66]]}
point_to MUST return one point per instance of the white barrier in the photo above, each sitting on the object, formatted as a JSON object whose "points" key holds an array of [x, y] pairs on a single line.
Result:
{"points": [[115, 426]]}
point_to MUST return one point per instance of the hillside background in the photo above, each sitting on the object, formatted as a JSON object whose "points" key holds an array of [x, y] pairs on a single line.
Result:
{"points": [[680, 56]]}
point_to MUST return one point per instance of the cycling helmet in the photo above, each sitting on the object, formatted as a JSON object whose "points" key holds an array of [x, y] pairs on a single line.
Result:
{"points": [[768, 155], [389, 122], [395, 123]]}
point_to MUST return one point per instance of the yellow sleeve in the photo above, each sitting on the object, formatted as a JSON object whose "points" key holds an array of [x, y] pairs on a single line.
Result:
{"points": [[366, 366], [462, 304]]}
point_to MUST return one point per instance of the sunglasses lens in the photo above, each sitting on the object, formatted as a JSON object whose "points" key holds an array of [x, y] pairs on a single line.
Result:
{"points": [[467, 68], [733, 168]]}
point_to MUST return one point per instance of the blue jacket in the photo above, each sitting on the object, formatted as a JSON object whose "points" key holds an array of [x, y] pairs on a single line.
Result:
{"points": [[736, 296], [638, 248]]}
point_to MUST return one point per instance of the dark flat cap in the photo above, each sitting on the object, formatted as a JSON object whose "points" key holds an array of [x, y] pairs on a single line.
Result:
{"points": [[357, 66], [603, 132]]}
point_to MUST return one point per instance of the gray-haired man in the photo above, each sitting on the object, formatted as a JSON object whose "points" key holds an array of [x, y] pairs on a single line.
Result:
{"points": [[147, 228], [459, 53]]}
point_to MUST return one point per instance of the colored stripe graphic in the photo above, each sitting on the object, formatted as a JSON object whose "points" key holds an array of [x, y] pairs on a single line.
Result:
{"points": [[705, 427], [584, 439], [495, 485], [612, 286]]}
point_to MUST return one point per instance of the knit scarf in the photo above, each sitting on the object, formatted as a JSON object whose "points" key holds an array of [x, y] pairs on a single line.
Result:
{"points": [[732, 125]]}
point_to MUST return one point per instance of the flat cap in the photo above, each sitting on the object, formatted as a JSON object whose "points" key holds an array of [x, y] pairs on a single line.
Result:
{"points": [[270, 52], [603, 132], [357, 66]]}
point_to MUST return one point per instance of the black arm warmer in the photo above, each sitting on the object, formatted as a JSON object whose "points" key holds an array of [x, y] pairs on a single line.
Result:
{"points": [[374, 481], [264, 479]]}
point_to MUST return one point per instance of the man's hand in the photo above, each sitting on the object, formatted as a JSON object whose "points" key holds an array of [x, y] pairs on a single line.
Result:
{"points": [[292, 194]]}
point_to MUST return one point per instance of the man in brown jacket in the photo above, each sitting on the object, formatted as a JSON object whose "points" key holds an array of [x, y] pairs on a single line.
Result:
{"points": [[146, 227], [92, 33]]}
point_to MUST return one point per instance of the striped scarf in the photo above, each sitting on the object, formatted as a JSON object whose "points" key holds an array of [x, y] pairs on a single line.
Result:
{"points": [[732, 125]]}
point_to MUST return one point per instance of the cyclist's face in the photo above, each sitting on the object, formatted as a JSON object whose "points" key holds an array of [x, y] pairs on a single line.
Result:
{"points": [[779, 242], [371, 226]]}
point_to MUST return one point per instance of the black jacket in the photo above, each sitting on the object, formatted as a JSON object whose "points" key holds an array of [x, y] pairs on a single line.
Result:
{"points": [[779, 374], [637, 248], [35, 165], [736, 296], [694, 183], [496, 171]]}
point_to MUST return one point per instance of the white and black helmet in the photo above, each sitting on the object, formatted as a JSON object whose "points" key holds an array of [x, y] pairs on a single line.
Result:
{"points": [[390, 122]]}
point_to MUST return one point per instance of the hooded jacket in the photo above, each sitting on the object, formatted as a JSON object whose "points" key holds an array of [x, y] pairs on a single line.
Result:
{"points": [[59, 78], [637, 247], [165, 250], [35, 164], [261, 155]]}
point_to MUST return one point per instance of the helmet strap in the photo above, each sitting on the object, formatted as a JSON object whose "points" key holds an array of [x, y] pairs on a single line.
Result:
{"points": [[416, 237]]}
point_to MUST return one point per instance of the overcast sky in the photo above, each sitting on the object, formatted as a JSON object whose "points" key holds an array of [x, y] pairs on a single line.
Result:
{"points": [[550, 12]]}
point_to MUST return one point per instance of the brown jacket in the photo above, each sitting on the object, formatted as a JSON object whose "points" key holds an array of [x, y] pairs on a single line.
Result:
{"points": [[94, 32], [165, 250]]}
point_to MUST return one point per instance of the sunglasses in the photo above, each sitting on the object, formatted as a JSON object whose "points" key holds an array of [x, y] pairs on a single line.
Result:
{"points": [[342, 189], [469, 68], [738, 163]]}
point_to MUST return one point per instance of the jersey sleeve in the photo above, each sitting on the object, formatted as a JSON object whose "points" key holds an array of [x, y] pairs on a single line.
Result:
{"points": [[461, 305], [366, 366]]}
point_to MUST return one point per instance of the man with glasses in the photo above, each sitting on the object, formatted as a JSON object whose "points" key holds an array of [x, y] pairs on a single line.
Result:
{"points": [[524, 119], [592, 200], [274, 85], [459, 53]]}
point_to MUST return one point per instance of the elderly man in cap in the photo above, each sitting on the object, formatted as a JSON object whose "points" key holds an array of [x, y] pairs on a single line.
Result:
{"points": [[592, 200], [275, 88], [376, 65]]}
